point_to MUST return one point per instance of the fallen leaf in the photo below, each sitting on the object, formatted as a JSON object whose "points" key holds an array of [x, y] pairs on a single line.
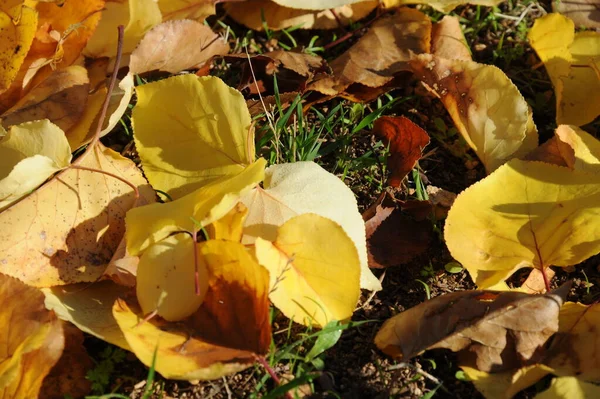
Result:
{"points": [[32, 341], [506, 384], [314, 278], [229, 227], [535, 284], [16, 39], [406, 142], [296, 188], [492, 331], [191, 131], [256, 14], [224, 336], [31, 153], [525, 214], [174, 46], [197, 10], [147, 225], [137, 16], [315, 4], [570, 60], [61, 98], [167, 268], [448, 41], [585, 13], [571, 388], [444, 6], [486, 107], [67, 230], [68, 376]]}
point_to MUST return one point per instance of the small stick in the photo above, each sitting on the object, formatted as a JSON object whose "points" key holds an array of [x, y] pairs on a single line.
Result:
{"points": [[263, 362]]}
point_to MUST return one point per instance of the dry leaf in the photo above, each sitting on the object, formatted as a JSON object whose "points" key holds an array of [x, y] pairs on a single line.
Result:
{"points": [[276, 17], [585, 13], [444, 6], [448, 41], [314, 278], [492, 331], [486, 107], [32, 341], [525, 214], [174, 46], [406, 141], [67, 230], [197, 10], [305, 187]]}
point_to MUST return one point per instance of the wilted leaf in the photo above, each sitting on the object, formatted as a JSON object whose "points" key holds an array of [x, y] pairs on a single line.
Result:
{"points": [[506, 384], [305, 187], [381, 54], [67, 230], [137, 16], [314, 278], [174, 46], [29, 154], [147, 225], [184, 9], [570, 388], [16, 36], [168, 267], [276, 17], [486, 107], [89, 307], [570, 60], [585, 13], [525, 214], [191, 131], [224, 336], [492, 331], [444, 6], [448, 41], [32, 340], [61, 98], [406, 141]]}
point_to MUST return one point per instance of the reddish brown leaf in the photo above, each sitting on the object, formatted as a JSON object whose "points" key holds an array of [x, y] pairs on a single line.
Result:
{"points": [[406, 141]]}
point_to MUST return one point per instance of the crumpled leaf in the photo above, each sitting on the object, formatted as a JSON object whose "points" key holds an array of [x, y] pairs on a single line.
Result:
{"points": [[68, 229], [571, 62], [174, 46], [406, 141], [184, 9], [191, 131], [230, 328], [486, 107], [380, 55], [147, 225], [15, 39], [276, 17], [444, 6], [60, 98], [448, 41], [305, 187], [32, 340], [138, 16], [492, 331], [30, 153], [89, 307], [506, 384], [585, 13], [167, 267], [525, 214], [314, 278]]}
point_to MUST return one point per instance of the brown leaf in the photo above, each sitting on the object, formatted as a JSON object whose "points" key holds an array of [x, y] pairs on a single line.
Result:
{"points": [[174, 46], [492, 331], [585, 13], [406, 141], [32, 339], [67, 230], [554, 151], [535, 284], [68, 376], [381, 54], [448, 41]]}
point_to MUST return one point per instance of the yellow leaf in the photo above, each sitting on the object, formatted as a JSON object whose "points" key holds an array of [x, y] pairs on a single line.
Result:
{"points": [[229, 227], [149, 224], [571, 63], [190, 131], [67, 230], [525, 214], [184, 9], [29, 154], [486, 107], [168, 267], [570, 388], [254, 14], [314, 270], [586, 148], [16, 36], [89, 307], [227, 332], [31, 343], [305, 187], [507, 384], [138, 16], [444, 6]]}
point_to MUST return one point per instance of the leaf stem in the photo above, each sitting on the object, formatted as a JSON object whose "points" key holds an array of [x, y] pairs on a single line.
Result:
{"points": [[263, 362], [196, 274]]}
